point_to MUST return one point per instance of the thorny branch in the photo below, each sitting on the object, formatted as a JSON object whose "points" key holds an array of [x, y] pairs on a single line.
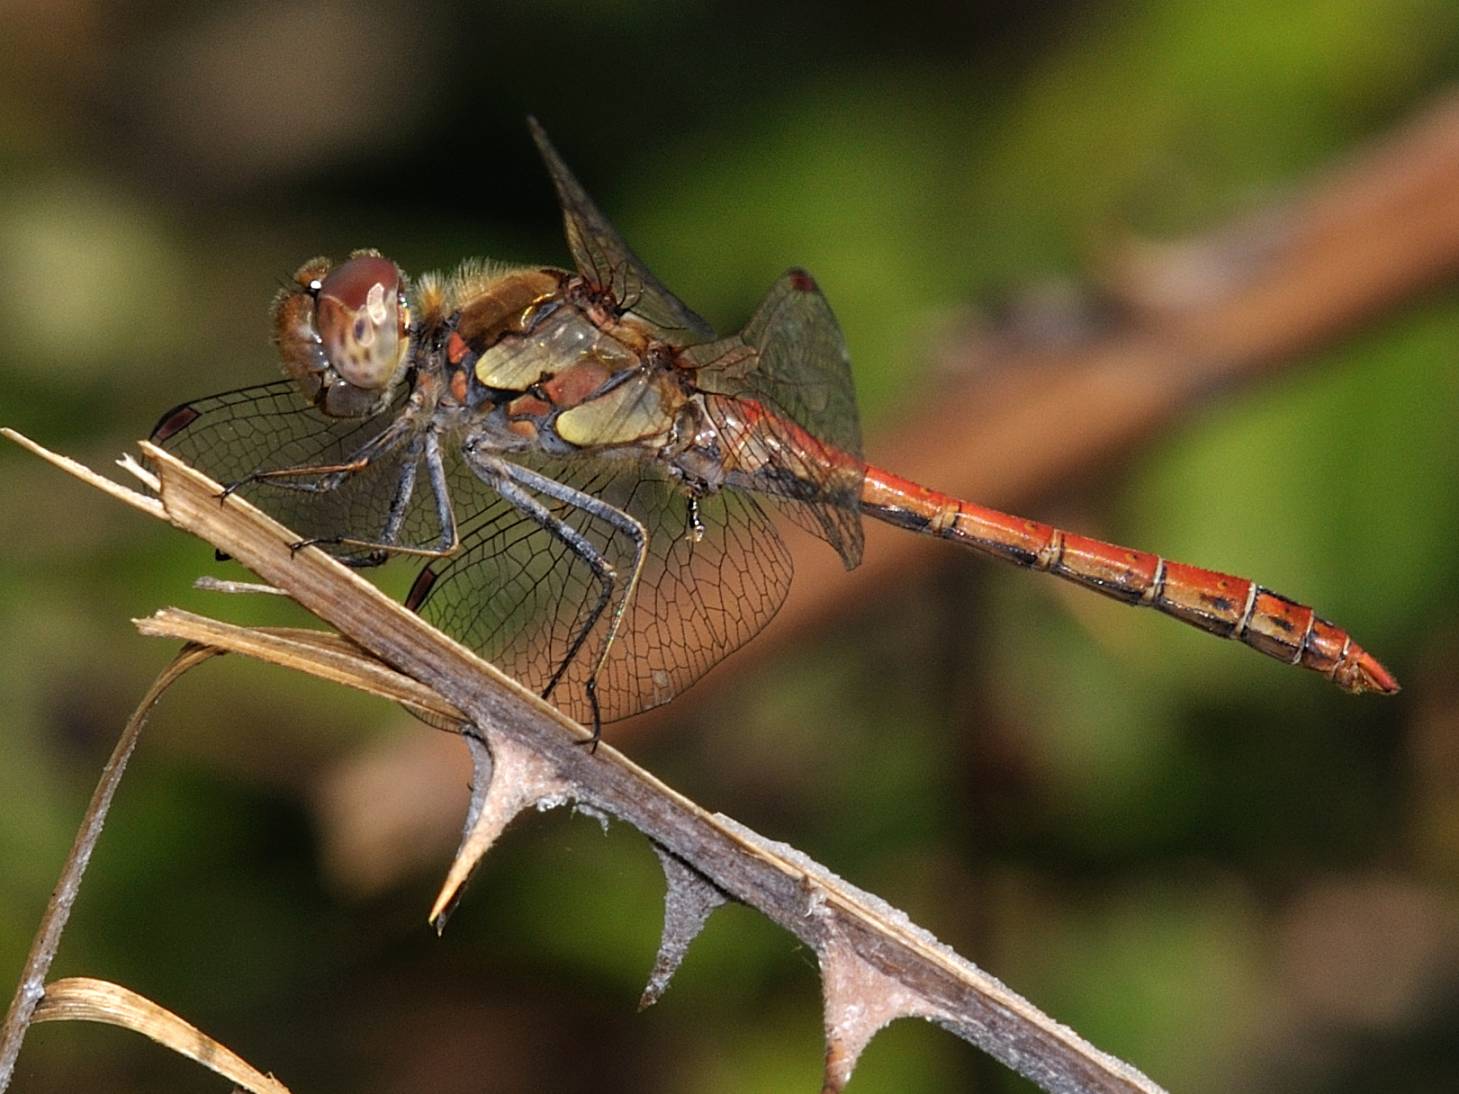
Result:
{"points": [[876, 965]]}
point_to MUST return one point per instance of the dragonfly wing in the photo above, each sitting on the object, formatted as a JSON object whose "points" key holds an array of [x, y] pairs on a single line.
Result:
{"points": [[608, 263], [792, 359], [271, 427], [520, 597]]}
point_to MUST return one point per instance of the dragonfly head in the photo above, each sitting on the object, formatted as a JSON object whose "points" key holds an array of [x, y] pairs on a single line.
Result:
{"points": [[343, 331]]}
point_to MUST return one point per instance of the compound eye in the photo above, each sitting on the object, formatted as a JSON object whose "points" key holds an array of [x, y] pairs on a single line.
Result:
{"points": [[362, 321]]}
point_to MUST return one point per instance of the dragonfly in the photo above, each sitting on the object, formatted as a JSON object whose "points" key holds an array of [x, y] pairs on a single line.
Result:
{"points": [[585, 468]]}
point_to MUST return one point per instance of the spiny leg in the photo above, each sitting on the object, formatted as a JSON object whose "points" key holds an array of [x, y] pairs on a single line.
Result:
{"points": [[584, 549], [512, 482], [395, 517], [381, 549], [327, 477], [445, 512], [333, 476], [620, 521]]}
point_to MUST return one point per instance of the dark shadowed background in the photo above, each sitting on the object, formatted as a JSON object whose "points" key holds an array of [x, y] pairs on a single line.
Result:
{"points": [[1224, 871]]}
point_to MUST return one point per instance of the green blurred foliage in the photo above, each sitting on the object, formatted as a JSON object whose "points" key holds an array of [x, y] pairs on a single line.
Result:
{"points": [[1115, 815]]}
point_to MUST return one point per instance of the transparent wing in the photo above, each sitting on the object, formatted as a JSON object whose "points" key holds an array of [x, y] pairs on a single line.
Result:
{"points": [[791, 358], [514, 592], [520, 597], [608, 263], [272, 427]]}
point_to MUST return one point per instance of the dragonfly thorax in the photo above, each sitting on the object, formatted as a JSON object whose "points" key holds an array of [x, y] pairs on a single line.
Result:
{"points": [[343, 332]]}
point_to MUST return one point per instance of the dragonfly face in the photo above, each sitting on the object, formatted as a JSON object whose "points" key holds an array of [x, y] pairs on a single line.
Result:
{"points": [[343, 332]]}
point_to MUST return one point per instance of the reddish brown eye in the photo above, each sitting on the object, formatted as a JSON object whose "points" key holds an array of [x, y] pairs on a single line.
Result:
{"points": [[361, 322], [350, 282]]}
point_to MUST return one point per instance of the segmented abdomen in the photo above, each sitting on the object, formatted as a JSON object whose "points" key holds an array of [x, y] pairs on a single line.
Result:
{"points": [[1221, 604]]}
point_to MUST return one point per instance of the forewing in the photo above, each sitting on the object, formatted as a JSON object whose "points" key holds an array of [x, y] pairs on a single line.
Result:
{"points": [[791, 358], [520, 597], [271, 427], [608, 263]]}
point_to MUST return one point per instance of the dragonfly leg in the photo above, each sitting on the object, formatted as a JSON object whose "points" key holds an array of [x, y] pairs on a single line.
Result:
{"points": [[516, 485], [327, 477], [381, 549], [617, 519], [445, 511], [581, 546]]}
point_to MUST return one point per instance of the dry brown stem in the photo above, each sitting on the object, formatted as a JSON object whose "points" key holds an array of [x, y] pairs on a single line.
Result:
{"points": [[82, 999], [31, 988], [876, 965]]}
